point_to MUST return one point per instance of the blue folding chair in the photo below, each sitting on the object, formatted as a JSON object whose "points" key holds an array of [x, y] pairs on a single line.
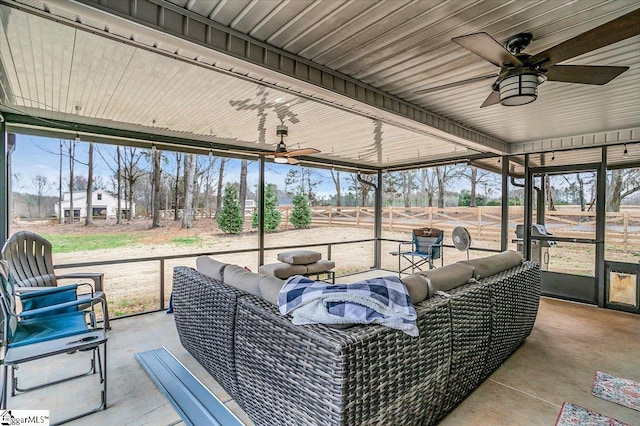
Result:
{"points": [[30, 261], [424, 247], [50, 323]]}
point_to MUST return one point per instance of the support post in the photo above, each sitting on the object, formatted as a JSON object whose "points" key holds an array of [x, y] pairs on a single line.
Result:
{"points": [[5, 187], [504, 211], [601, 216], [528, 205], [261, 191], [378, 223]]}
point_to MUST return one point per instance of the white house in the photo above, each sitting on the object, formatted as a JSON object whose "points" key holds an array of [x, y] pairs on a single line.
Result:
{"points": [[103, 205]]}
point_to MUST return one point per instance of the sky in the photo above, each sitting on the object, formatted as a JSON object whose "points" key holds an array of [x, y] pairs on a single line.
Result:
{"points": [[35, 156]]}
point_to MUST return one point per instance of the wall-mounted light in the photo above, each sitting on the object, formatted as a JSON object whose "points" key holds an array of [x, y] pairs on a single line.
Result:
{"points": [[553, 155], [153, 148], [625, 153], [78, 137]]}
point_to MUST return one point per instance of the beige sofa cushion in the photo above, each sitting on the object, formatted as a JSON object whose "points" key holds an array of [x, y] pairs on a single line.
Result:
{"points": [[417, 287], [270, 288], [242, 279], [299, 257], [486, 266], [321, 265], [282, 270], [210, 267], [447, 277]]}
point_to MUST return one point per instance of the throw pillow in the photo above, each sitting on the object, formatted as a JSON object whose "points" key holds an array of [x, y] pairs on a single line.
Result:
{"points": [[299, 257], [282, 270], [321, 265]]}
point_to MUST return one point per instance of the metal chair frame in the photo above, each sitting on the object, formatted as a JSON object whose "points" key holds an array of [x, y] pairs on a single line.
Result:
{"points": [[30, 260], [425, 257], [16, 353]]}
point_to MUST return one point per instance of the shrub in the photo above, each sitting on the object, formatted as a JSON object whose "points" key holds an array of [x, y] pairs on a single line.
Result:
{"points": [[271, 213], [301, 213], [230, 218]]}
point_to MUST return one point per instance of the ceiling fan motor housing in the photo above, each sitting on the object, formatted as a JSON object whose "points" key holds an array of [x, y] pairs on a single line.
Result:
{"points": [[282, 130]]}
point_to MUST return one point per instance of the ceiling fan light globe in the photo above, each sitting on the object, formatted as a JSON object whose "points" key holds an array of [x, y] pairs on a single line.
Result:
{"points": [[280, 160], [518, 89]]}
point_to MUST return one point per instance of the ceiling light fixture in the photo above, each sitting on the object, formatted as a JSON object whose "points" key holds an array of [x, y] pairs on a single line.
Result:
{"points": [[625, 154], [521, 88], [280, 160]]}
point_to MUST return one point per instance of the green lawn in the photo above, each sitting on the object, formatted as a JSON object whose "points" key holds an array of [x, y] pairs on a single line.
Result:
{"points": [[72, 243]]}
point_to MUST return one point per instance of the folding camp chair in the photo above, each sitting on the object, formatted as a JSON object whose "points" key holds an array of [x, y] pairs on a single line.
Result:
{"points": [[31, 265], [426, 245], [51, 324]]}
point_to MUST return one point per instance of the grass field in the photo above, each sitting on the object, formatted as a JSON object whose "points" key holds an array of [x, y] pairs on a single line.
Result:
{"points": [[134, 286]]}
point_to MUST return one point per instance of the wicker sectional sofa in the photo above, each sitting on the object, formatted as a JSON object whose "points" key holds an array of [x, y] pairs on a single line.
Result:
{"points": [[283, 374]]}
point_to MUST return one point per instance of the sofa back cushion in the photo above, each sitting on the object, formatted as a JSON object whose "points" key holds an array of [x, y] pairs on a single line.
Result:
{"points": [[243, 279], [210, 267], [447, 278], [417, 287], [486, 266], [270, 288]]}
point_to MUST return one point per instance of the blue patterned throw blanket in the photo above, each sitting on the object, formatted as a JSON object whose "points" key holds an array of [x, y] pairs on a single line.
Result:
{"points": [[383, 301]]}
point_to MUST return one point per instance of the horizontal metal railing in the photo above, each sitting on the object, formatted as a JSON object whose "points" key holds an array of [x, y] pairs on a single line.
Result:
{"points": [[163, 259]]}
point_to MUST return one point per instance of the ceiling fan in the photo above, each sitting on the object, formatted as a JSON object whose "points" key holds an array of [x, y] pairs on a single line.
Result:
{"points": [[282, 155], [521, 74]]}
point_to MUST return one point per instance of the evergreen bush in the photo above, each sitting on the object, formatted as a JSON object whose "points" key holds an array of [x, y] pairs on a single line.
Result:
{"points": [[301, 213], [230, 218], [272, 216]]}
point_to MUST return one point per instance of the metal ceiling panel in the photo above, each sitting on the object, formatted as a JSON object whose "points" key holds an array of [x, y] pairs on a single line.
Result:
{"points": [[376, 54]]}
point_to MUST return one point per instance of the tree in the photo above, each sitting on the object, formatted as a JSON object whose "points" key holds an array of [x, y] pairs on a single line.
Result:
{"points": [[88, 220], [176, 187], [243, 183], [475, 177], [131, 173], [230, 218], [335, 175], [189, 174], [427, 185], [223, 162], [71, 145], [302, 180], [271, 214], [443, 175], [40, 184], [301, 213], [621, 184], [156, 155]]}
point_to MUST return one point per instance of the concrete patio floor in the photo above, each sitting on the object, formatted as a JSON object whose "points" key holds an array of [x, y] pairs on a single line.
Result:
{"points": [[555, 364]]}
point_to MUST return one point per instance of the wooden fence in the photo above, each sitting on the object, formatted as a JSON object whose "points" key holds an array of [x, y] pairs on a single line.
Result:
{"points": [[483, 223]]}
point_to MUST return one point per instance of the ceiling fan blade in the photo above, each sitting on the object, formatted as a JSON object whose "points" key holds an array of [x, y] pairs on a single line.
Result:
{"points": [[584, 74], [611, 32], [492, 99], [293, 161], [304, 151], [457, 83], [485, 46]]}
